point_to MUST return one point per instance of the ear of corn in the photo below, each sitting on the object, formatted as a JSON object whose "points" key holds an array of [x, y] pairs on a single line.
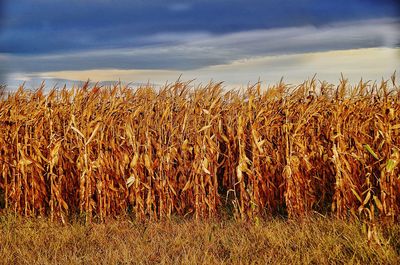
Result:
{"points": [[106, 151]]}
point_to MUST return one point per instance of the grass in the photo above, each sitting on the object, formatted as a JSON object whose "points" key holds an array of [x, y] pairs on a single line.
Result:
{"points": [[120, 241]]}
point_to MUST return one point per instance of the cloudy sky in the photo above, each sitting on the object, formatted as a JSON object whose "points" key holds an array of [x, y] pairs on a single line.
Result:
{"points": [[238, 42]]}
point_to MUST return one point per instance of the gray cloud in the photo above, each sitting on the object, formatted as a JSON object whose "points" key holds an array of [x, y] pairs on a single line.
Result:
{"points": [[199, 49], [180, 7], [55, 26]]}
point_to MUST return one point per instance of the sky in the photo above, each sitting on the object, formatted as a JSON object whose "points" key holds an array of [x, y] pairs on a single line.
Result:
{"points": [[238, 42]]}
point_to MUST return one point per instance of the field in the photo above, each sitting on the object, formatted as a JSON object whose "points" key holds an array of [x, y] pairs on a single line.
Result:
{"points": [[204, 153], [124, 241]]}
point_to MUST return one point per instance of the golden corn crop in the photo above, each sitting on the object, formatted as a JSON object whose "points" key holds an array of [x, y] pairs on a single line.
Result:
{"points": [[179, 150]]}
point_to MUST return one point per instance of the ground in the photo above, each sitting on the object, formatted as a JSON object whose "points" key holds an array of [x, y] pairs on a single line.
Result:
{"points": [[123, 241]]}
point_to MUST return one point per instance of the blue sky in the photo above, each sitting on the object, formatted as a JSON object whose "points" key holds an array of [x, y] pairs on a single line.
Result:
{"points": [[150, 40]]}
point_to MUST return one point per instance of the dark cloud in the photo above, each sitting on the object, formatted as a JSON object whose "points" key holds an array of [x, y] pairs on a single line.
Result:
{"points": [[54, 26], [205, 50], [1, 13]]}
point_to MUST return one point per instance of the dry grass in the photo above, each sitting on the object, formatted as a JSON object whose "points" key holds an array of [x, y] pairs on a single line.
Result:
{"points": [[108, 151], [313, 241]]}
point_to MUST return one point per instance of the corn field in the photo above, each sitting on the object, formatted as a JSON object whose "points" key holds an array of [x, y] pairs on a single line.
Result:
{"points": [[201, 151]]}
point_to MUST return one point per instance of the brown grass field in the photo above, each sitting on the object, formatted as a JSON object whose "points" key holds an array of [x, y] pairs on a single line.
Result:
{"points": [[200, 154], [123, 241]]}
